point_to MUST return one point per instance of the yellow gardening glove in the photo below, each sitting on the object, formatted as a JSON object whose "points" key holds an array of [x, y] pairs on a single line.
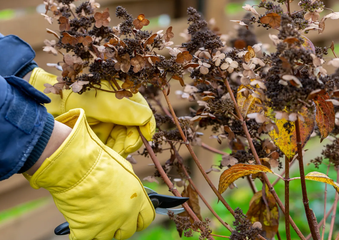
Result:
{"points": [[113, 120], [93, 186]]}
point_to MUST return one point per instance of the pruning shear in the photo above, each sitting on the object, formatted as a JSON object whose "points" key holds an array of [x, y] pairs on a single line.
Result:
{"points": [[161, 203]]}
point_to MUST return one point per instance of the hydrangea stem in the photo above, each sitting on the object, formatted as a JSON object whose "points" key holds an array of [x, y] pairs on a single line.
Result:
{"points": [[180, 160], [312, 222], [334, 209], [325, 200], [287, 197], [167, 180], [256, 157], [196, 160]]}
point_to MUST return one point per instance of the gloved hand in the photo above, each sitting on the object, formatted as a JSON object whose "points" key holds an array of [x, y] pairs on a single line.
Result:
{"points": [[113, 120], [93, 187]]}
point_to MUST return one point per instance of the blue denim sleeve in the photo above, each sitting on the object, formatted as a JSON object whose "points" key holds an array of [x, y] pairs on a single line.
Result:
{"points": [[16, 56], [22, 121]]}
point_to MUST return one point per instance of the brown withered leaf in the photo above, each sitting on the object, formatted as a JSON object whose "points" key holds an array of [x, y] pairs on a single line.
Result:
{"points": [[130, 85], [239, 44], [325, 116], [183, 56], [150, 40], [228, 161], [112, 42], [285, 63], [169, 34], [68, 39], [272, 19], [124, 63], [231, 134], [50, 47], [193, 202], [236, 145], [51, 89], [249, 55], [102, 19], [140, 21], [192, 65], [152, 58], [64, 24], [138, 63], [52, 32], [291, 40], [72, 66], [237, 171], [78, 85], [332, 46], [321, 177], [123, 93], [86, 41], [286, 139], [249, 104], [267, 215], [180, 79], [322, 26]]}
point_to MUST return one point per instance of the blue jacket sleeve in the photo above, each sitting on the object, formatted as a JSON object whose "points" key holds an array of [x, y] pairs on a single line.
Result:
{"points": [[25, 125]]}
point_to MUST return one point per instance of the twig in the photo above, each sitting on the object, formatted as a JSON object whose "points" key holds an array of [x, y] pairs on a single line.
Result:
{"points": [[196, 160], [256, 157], [312, 221], [322, 221], [167, 181], [211, 149], [282, 174], [325, 199], [250, 182], [162, 107], [287, 197], [334, 209], [288, 7], [216, 235], [180, 160]]}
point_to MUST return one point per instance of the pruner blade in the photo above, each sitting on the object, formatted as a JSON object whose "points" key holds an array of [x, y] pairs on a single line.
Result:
{"points": [[161, 203]]}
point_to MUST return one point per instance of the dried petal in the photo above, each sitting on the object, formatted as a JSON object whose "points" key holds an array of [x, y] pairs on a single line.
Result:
{"points": [[140, 21]]}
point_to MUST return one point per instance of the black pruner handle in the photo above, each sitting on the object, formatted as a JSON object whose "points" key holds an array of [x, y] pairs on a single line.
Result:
{"points": [[62, 229], [158, 200]]}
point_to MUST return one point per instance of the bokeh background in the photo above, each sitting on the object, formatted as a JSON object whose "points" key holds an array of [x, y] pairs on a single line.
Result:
{"points": [[28, 214]]}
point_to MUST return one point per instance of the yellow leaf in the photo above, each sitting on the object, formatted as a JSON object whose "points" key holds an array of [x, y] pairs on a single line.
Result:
{"points": [[238, 171], [267, 215], [248, 104], [320, 177], [286, 138]]}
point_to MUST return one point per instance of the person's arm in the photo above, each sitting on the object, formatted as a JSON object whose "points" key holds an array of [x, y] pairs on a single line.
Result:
{"points": [[93, 186], [59, 134]]}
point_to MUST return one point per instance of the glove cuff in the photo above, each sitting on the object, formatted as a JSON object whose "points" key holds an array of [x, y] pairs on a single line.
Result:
{"points": [[40, 145]]}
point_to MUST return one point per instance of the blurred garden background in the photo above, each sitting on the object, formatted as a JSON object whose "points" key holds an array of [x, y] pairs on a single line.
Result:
{"points": [[30, 214]]}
